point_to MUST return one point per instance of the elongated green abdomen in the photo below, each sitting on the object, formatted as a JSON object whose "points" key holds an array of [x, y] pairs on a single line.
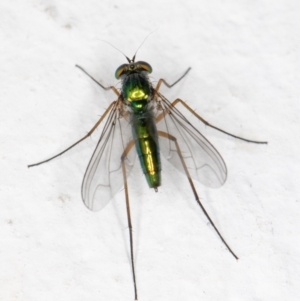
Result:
{"points": [[146, 141]]}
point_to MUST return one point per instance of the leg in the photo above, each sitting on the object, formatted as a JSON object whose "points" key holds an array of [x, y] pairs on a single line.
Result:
{"points": [[178, 100], [87, 135], [129, 146], [168, 85], [168, 136], [105, 88]]}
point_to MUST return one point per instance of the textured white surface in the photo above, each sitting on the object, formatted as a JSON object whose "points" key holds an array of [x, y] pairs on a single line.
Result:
{"points": [[245, 79]]}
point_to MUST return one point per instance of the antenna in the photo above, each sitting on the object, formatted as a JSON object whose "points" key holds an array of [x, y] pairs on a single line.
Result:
{"points": [[133, 59], [128, 59]]}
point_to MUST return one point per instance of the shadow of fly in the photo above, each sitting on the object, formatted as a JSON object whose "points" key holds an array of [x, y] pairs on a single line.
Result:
{"points": [[144, 122]]}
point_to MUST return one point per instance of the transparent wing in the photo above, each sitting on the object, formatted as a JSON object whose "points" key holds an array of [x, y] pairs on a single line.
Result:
{"points": [[103, 177], [203, 161]]}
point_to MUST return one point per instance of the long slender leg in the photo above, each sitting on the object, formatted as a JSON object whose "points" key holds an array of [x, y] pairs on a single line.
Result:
{"points": [[87, 135], [171, 85], [168, 136], [178, 100], [105, 88], [129, 146]]}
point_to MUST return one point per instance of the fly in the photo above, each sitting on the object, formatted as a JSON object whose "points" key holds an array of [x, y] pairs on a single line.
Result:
{"points": [[142, 118]]}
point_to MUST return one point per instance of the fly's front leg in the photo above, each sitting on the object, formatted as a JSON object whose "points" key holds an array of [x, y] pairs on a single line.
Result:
{"points": [[172, 138], [123, 157], [112, 105], [156, 93], [105, 88], [178, 100], [162, 81]]}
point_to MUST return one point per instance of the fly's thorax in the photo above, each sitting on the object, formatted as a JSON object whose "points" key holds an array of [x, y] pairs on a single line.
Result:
{"points": [[137, 91]]}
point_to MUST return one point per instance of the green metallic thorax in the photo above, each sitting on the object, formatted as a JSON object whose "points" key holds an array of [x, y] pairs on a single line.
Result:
{"points": [[136, 91]]}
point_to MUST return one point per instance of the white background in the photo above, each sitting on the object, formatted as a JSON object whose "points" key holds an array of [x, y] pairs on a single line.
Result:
{"points": [[245, 79]]}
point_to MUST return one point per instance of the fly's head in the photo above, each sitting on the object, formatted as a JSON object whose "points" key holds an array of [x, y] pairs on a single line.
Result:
{"points": [[132, 67]]}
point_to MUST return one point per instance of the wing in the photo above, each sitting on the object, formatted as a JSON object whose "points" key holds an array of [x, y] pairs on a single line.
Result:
{"points": [[203, 161], [103, 177]]}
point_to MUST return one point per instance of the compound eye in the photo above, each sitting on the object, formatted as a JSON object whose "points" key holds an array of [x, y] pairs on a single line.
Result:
{"points": [[144, 66], [121, 70]]}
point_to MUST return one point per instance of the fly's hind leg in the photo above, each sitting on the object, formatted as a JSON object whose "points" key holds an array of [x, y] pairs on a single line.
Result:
{"points": [[172, 138], [123, 157]]}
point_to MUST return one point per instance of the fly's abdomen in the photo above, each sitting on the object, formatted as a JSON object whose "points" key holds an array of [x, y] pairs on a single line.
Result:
{"points": [[146, 142]]}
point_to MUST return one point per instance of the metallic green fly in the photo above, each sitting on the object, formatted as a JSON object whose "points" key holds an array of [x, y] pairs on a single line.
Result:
{"points": [[143, 118]]}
